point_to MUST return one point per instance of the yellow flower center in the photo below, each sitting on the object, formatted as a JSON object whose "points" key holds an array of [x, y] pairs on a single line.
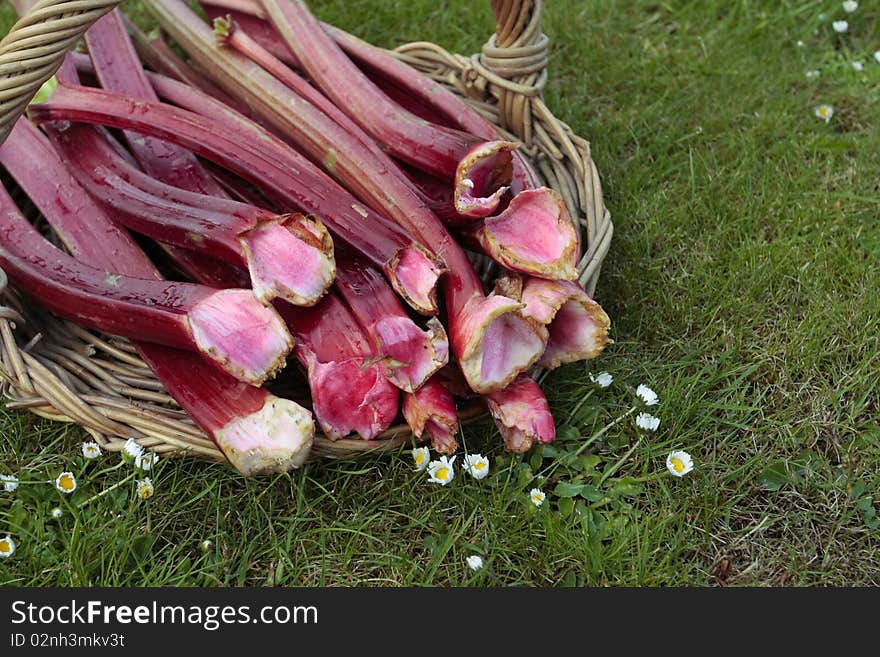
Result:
{"points": [[66, 482], [537, 497], [479, 465], [823, 112], [145, 491], [4, 545], [420, 458], [677, 465], [442, 473]]}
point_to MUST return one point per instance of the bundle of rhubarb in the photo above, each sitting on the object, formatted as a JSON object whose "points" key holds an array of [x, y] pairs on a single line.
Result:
{"points": [[287, 189]]}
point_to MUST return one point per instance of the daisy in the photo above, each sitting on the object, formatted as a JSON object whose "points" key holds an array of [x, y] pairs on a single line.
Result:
{"points": [[603, 380], [145, 489], [476, 465], [421, 455], [57, 513], [840, 26], [679, 463], [850, 6], [474, 562], [813, 74], [858, 66], [647, 395], [131, 450], [66, 483], [206, 545], [647, 422], [441, 472], [825, 112], [537, 496], [800, 44], [91, 450], [145, 461], [10, 483], [877, 56], [7, 546]]}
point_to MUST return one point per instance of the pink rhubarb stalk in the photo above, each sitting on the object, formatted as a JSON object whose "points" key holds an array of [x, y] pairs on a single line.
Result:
{"points": [[262, 159], [431, 410], [349, 389], [522, 414], [229, 327], [286, 256], [474, 319], [409, 354], [478, 169], [577, 326]]}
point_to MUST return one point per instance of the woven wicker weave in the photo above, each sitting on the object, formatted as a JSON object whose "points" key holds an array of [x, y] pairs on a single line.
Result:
{"points": [[61, 371]]}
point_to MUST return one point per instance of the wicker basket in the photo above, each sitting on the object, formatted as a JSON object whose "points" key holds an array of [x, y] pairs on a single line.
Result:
{"points": [[61, 371]]}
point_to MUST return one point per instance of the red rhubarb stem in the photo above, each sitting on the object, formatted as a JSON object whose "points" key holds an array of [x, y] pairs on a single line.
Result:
{"points": [[119, 69], [431, 410], [349, 389], [288, 256]]}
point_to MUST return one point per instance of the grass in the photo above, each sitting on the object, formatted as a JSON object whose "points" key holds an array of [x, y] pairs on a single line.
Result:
{"points": [[741, 283]]}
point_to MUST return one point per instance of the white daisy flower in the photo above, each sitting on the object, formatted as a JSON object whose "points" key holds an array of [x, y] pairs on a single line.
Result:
{"points": [[131, 450], [800, 44], [647, 422], [10, 483], [421, 457], [858, 66], [679, 463], [877, 56], [537, 496], [206, 545], [647, 395], [442, 471], [814, 73], [145, 489], [850, 6], [825, 112], [66, 483], [91, 450], [146, 460], [476, 465], [7, 546], [840, 26], [57, 513], [474, 562], [603, 379]]}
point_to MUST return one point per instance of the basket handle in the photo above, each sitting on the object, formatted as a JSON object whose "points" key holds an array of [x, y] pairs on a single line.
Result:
{"points": [[514, 61], [35, 47]]}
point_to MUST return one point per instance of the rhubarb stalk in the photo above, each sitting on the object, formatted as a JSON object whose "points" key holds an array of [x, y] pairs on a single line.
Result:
{"points": [[522, 414], [431, 410], [409, 354], [349, 389], [288, 256]]}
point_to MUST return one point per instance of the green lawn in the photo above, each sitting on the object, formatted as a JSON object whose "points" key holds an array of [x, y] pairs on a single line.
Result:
{"points": [[742, 288]]}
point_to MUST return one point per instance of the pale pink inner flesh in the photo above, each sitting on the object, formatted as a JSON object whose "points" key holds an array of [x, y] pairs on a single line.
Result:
{"points": [[417, 275], [572, 332], [481, 195], [509, 344], [243, 336], [348, 398], [531, 230], [418, 354], [281, 264]]}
